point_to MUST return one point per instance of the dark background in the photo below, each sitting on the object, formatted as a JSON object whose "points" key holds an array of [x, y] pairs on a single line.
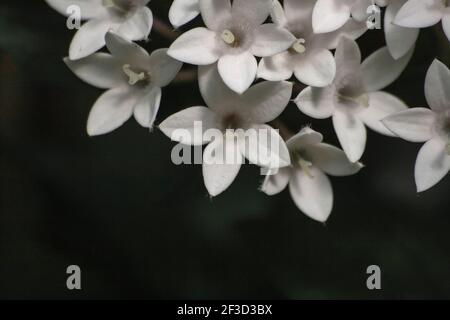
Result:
{"points": [[141, 227]]}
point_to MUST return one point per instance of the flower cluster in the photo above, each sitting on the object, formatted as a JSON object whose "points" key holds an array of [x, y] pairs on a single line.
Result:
{"points": [[249, 55]]}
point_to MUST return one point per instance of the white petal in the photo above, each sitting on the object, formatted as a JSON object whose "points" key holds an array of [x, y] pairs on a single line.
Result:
{"points": [[216, 94], [100, 70], [352, 30], [275, 183], [271, 39], [183, 11], [330, 15], [254, 11], [125, 50], [348, 58], [265, 101], [181, 126], [381, 105], [215, 13], [89, 9], [380, 69], [317, 103], [415, 125], [278, 16], [332, 160], [420, 13], [312, 193], [317, 69], [137, 27], [305, 138], [221, 164], [89, 39], [399, 40], [299, 12], [111, 110], [351, 132], [276, 68], [437, 86], [262, 145], [238, 71], [147, 108], [198, 46], [163, 68], [446, 23], [432, 164]]}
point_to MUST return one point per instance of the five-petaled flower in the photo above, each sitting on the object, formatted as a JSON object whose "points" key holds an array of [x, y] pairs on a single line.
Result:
{"points": [[309, 186], [235, 34], [131, 19], [234, 115], [428, 125], [134, 79]]}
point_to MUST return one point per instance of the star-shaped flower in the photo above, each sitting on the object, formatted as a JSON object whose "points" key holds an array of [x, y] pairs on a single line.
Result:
{"points": [[131, 19], [235, 34], [134, 79], [234, 117], [309, 58], [183, 11], [354, 99], [428, 125], [309, 186], [330, 15], [424, 13]]}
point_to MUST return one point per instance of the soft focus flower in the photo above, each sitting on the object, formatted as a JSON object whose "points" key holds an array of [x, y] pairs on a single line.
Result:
{"points": [[235, 34], [134, 79], [309, 186], [309, 57], [424, 13], [354, 99], [183, 11], [130, 19], [430, 126], [233, 115]]}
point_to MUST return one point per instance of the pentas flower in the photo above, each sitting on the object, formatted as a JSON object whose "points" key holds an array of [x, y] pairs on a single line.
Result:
{"points": [[309, 57], [183, 11], [309, 186], [233, 116], [134, 79], [430, 126], [130, 19], [424, 13], [353, 100], [330, 15], [235, 34]]}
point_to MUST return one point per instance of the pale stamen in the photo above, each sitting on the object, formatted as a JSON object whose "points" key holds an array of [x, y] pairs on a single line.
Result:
{"points": [[133, 76], [361, 100], [306, 166], [299, 46], [228, 37]]}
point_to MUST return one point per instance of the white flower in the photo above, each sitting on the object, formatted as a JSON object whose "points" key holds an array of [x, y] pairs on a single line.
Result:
{"points": [[310, 188], [183, 11], [430, 126], [239, 113], [134, 79], [330, 15], [130, 19], [309, 58], [424, 13], [354, 99], [235, 35]]}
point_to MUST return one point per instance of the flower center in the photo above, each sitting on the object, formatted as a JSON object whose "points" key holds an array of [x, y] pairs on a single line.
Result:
{"points": [[229, 38], [134, 77], [232, 121], [299, 46], [300, 159], [362, 100]]}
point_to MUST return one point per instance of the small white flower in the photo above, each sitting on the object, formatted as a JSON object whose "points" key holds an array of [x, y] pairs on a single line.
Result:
{"points": [[134, 79], [428, 125], [183, 11], [354, 99], [309, 57], [424, 13], [235, 34], [227, 111], [309, 186], [330, 15], [130, 19]]}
